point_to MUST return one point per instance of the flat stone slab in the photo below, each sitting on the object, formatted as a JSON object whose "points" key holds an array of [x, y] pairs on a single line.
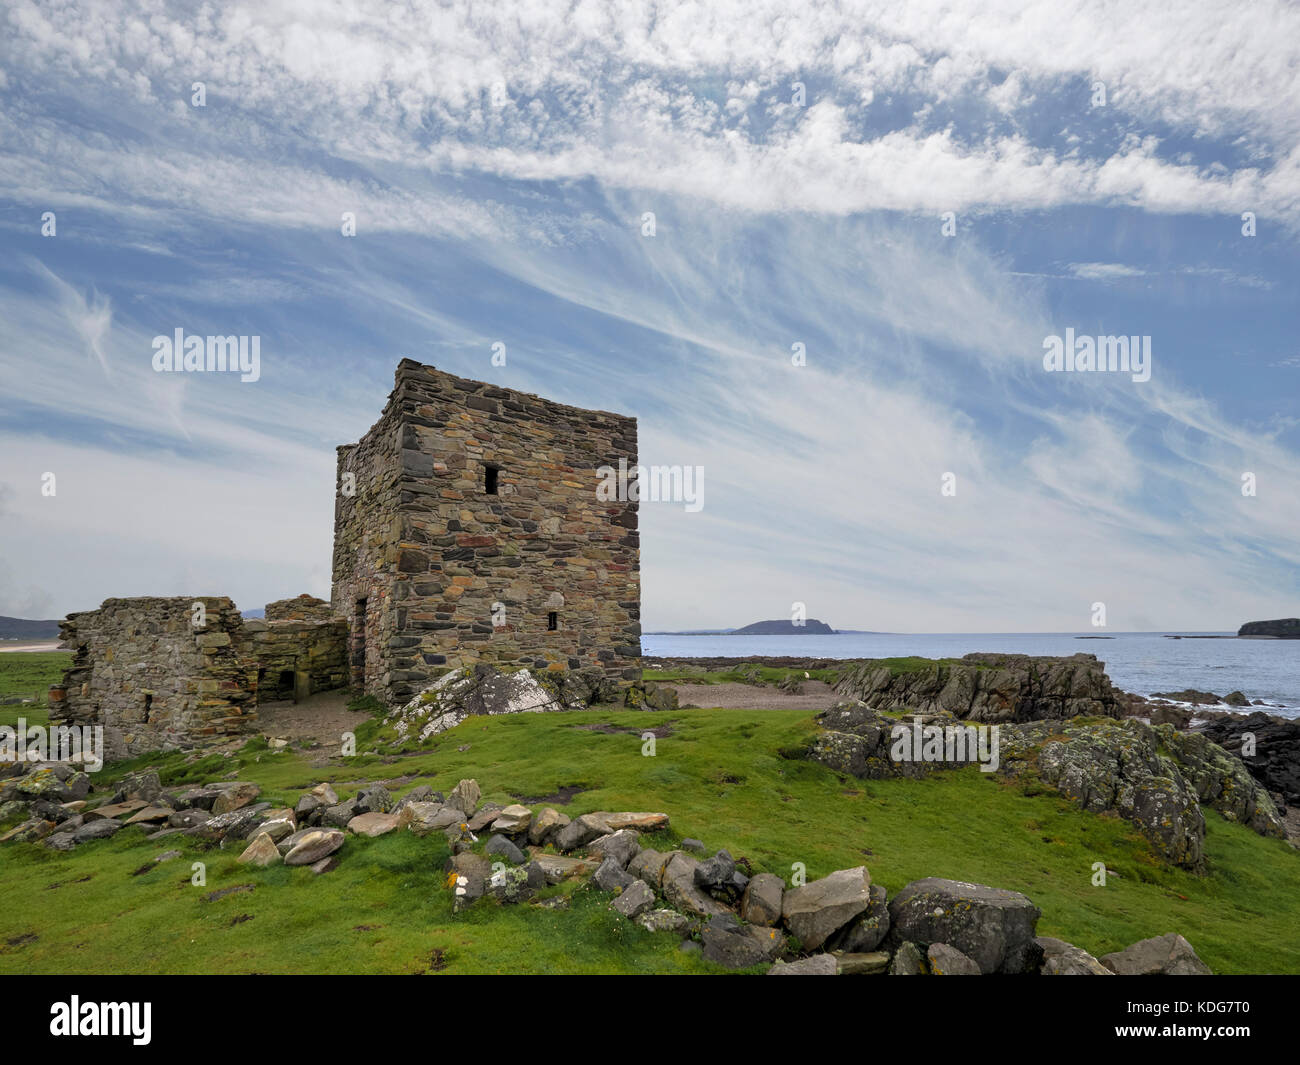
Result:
{"points": [[557, 867], [373, 824], [151, 813], [115, 810]]}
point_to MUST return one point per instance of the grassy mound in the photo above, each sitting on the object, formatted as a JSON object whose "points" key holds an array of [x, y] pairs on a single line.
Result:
{"points": [[719, 774]]}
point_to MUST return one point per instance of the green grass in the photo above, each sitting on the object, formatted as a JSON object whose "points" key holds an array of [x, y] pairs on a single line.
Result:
{"points": [[30, 674], [720, 777]]}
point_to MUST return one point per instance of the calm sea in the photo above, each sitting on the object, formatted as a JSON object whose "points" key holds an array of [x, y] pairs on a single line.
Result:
{"points": [[1140, 662]]}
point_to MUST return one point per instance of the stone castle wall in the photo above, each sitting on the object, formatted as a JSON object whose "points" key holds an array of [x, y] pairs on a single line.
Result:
{"points": [[154, 680], [453, 574]]}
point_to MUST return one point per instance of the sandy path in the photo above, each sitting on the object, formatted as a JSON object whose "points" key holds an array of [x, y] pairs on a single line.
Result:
{"points": [[816, 695]]}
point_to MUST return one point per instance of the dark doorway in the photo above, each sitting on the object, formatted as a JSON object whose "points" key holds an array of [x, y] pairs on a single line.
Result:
{"points": [[359, 646]]}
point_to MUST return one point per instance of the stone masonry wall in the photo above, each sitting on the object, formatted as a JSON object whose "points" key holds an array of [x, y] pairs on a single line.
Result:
{"points": [[151, 679], [154, 681], [434, 567], [300, 608], [295, 658]]}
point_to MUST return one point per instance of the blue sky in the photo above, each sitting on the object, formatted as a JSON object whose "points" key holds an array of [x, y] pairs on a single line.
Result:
{"points": [[499, 160]]}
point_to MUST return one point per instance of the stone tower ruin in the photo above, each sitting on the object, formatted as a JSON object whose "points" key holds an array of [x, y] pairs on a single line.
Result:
{"points": [[468, 528]]}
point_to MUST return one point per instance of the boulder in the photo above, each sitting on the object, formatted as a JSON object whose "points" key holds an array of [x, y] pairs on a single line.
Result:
{"points": [[150, 813], [761, 902], [648, 865], [463, 693], [372, 824], [907, 961], [341, 813], [97, 830], [467, 877], [611, 876], [813, 965], [586, 829], [622, 846], [508, 884], [313, 846], [325, 793], [1275, 759], [142, 785], [664, 921], [949, 961], [544, 825], [733, 945], [465, 796], [115, 810], [505, 847], [261, 852], [1065, 959], [196, 798], [425, 817], [869, 963], [680, 889], [642, 822], [1167, 955], [512, 820], [36, 828], [867, 931], [374, 799], [634, 900], [188, 818], [715, 873], [994, 928], [816, 911], [557, 867], [234, 797]]}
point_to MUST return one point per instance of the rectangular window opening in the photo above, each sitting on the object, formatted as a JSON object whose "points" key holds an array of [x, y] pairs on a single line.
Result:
{"points": [[552, 621], [490, 480]]}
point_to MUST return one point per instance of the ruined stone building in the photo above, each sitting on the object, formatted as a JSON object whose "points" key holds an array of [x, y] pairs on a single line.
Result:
{"points": [[468, 528]]}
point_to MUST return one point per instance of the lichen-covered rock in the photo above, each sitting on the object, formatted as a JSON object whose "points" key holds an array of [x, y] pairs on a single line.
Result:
{"points": [[868, 930], [733, 945], [817, 910], [1167, 955], [545, 825], [634, 900], [989, 687], [992, 927], [1065, 959], [949, 961], [814, 965], [462, 693], [761, 902]]}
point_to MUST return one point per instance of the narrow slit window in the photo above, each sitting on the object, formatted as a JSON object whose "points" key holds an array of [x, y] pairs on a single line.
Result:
{"points": [[553, 621], [490, 480]]}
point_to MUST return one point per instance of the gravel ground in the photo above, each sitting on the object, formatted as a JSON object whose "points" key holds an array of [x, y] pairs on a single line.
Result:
{"points": [[815, 696]]}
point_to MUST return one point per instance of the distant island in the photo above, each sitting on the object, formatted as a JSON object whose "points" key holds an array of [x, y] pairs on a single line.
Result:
{"points": [[785, 627], [1281, 629]]}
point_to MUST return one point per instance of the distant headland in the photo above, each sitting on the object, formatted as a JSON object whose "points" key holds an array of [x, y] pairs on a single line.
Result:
{"points": [[1281, 629], [786, 627]]}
